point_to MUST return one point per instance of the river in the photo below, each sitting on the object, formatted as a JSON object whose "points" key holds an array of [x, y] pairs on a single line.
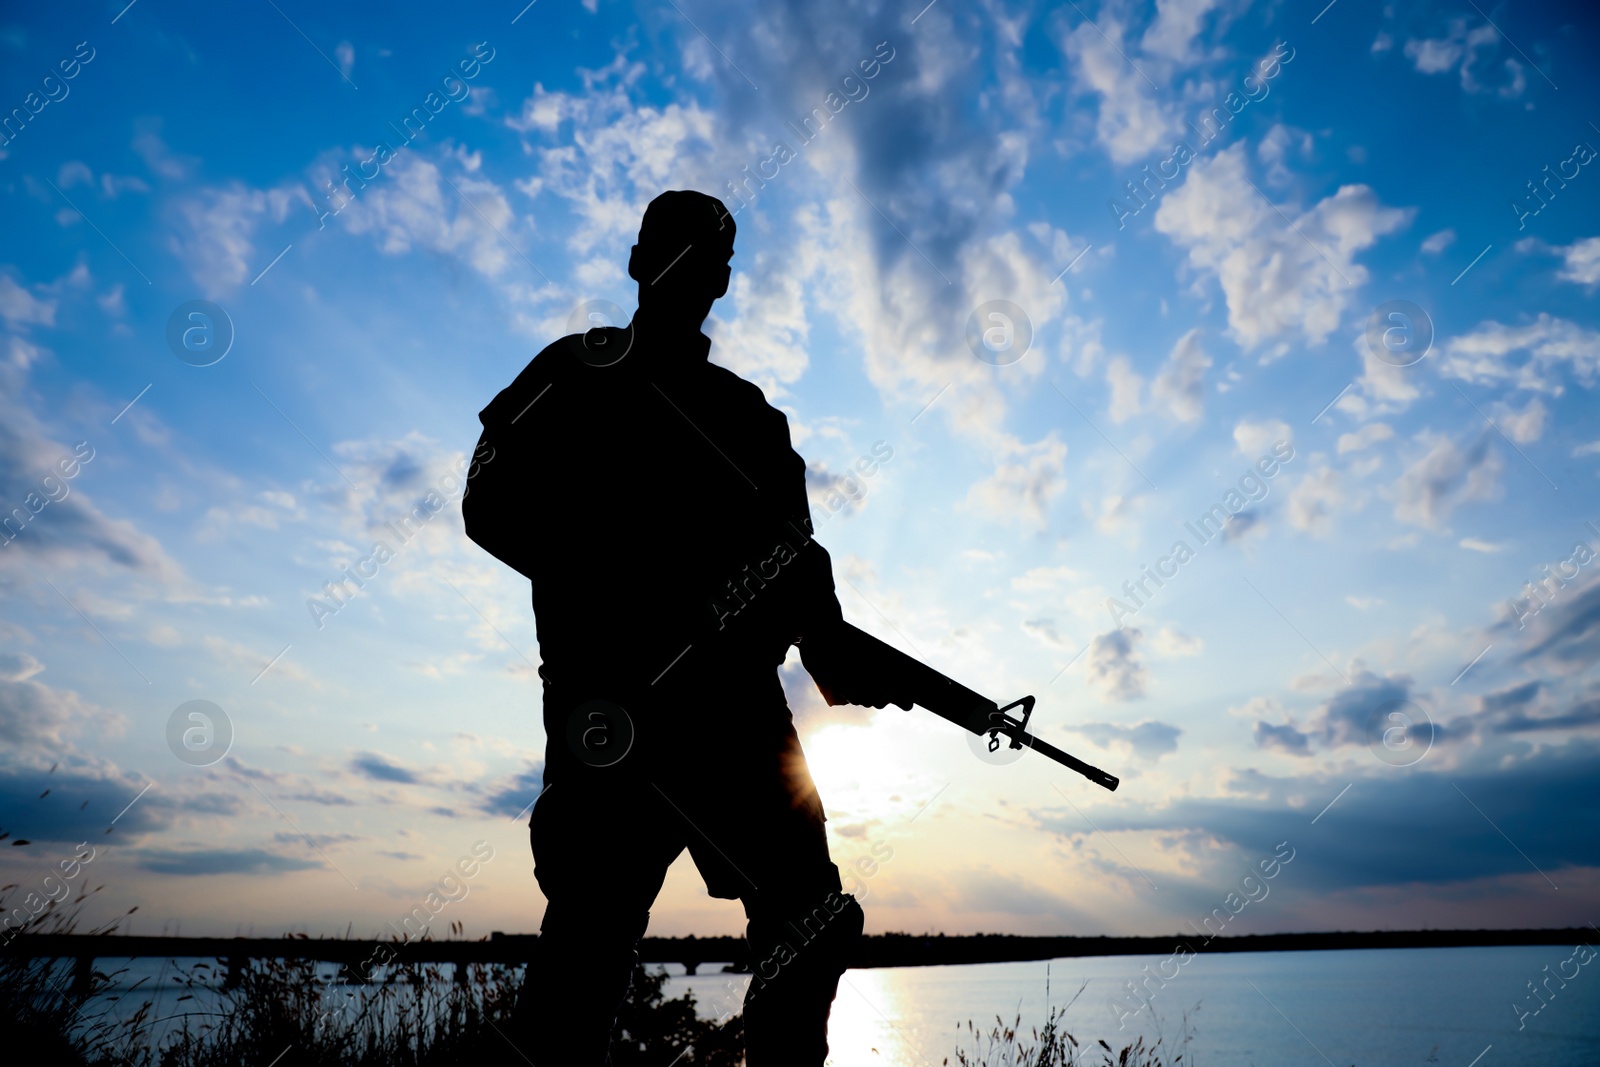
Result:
{"points": [[1366, 1007], [1363, 1007]]}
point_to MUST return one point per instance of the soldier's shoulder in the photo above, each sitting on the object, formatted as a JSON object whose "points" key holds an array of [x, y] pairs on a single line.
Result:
{"points": [[740, 389], [530, 383], [600, 346]]}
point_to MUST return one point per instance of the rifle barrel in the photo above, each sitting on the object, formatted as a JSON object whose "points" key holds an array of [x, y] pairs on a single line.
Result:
{"points": [[949, 699], [1066, 759]]}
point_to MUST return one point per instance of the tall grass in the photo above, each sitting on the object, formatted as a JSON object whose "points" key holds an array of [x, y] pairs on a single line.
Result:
{"points": [[293, 1012], [418, 1015], [1005, 1045], [290, 1012], [39, 1009]]}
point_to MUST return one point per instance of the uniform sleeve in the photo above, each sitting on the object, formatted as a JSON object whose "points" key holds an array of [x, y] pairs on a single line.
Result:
{"points": [[498, 507]]}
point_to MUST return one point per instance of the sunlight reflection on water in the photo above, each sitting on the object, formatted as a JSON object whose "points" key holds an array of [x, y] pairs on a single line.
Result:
{"points": [[867, 1026], [1373, 1008]]}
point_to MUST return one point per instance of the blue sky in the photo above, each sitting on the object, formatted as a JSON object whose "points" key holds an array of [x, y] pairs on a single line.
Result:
{"points": [[1368, 155]]}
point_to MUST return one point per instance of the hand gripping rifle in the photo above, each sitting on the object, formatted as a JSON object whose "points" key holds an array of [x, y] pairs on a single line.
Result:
{"points": [[951, 700]]}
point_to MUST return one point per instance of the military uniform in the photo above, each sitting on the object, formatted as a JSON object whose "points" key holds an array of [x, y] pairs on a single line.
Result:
{"points": [[657, 505]]}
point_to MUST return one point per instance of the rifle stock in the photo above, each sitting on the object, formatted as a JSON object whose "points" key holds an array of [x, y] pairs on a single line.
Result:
{"points": [[949, 699]]}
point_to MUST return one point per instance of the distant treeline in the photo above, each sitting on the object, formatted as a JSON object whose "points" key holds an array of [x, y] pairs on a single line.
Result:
{"points": [[876, 950], [923, 950]]}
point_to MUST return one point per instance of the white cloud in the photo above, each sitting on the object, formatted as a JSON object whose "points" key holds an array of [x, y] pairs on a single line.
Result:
{"points": [[18, 666], [605, 155], [1438, 242], [1445, 477], [21, 308], [1114, 666], [1115, 512], [1315, 500], [1275, 148], [1485, 356], [1581, 262], [1522, 426], [153, 150], [1025, 482], [1175, 28], [61, 525], [1439, 55], [1148, 740], [112, 302], [1169, 641], [911, 328], [1281, 274], [1435, 55], [269, 508], [1255, 439], [1081, 347], [1131, 122], [1365, 437], [618, 156], [75, 172], [411, 205], [33, 715], [764, 339], [1126, 386], [1181, 384], [1473, 544], [1381, 387], [215, 236]]}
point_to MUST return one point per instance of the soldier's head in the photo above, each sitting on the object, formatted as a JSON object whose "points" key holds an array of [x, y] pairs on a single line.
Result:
{"points": [[681, 259]]}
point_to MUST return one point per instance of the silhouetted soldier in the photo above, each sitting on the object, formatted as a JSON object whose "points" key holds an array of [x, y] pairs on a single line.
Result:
{"points": [[656, 503]]}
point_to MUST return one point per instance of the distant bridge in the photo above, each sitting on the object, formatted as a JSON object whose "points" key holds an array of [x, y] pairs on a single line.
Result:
{"points": [[879, 950]]}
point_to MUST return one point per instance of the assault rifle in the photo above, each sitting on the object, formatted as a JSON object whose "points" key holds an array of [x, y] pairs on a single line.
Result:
{"points": [[951, 700]]}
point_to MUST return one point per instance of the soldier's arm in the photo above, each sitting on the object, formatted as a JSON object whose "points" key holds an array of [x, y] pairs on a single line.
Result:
{"points": [[492, 510], [498, 509]]}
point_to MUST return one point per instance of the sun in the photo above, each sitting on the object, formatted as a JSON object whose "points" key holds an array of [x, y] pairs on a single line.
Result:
{"points": [[862, 772]]}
